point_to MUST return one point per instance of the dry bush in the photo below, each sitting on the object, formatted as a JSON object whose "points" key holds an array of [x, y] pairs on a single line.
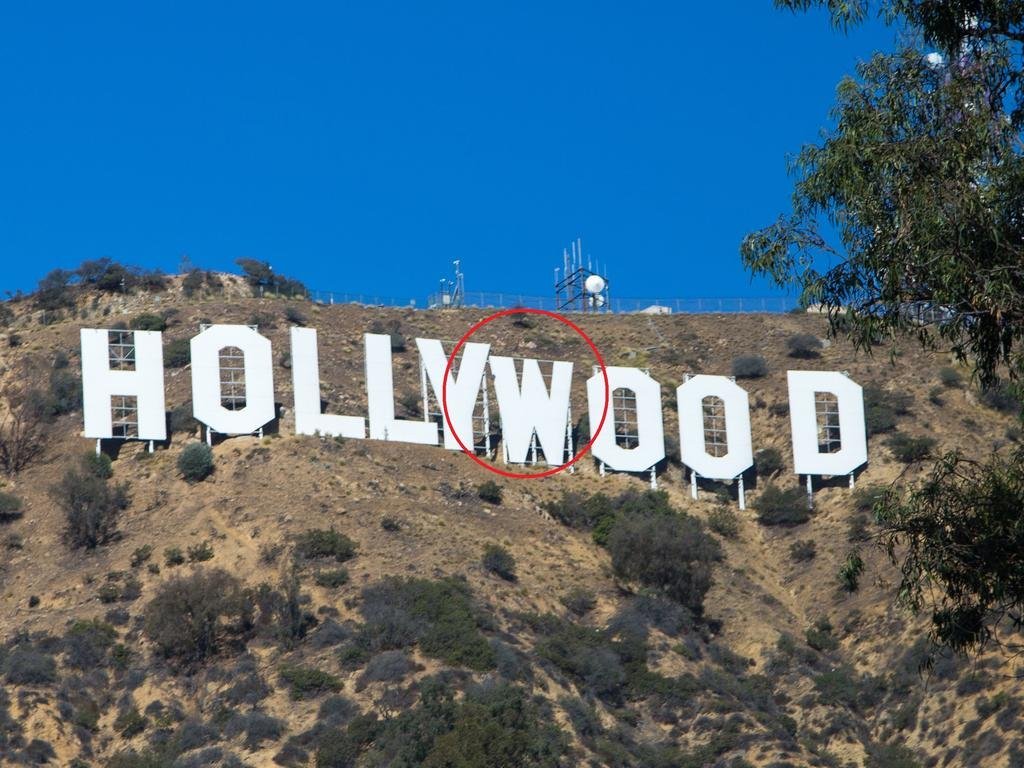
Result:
{"points": [[22, 430], [189, 616]]}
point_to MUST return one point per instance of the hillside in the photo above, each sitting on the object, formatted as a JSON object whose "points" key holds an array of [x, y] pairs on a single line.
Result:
{"points": [[335, 659]]}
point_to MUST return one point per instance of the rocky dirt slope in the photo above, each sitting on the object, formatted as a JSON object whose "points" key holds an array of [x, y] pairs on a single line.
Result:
{"points": [[784, 667]]}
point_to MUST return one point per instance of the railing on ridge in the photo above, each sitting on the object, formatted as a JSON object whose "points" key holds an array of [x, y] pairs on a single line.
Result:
{"points": [[617, 305]]}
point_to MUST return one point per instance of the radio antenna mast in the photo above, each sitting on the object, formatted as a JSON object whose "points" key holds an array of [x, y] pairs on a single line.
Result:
{"points": [[581, 289]]}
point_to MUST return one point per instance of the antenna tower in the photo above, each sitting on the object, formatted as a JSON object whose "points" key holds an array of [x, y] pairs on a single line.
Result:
{"points": [[580, 288]]}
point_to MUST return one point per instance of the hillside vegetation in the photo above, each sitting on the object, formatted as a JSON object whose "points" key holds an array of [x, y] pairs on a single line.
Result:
{"points": [[298, 601]]}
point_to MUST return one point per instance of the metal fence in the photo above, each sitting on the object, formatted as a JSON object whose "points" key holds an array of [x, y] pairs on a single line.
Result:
{"points": [[657, 305]]}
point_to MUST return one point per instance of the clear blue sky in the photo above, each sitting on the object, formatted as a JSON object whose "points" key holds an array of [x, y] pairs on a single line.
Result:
{"points": [[362, 146]]}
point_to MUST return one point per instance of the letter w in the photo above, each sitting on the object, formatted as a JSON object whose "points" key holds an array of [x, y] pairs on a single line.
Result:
{"points": [[531, 408]]}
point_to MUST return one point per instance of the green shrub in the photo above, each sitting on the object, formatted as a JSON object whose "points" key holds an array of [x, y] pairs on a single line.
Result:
{"points": [[499, 561], [141, 555], [258, 727], [91, 508], [489, 491], [749, 367], [10, 507], [668, 552], [307, 682], [189, 616], [820, 638], [97, 465], [178, 353], [595, 660], [518, 729], [332, 579], [1001, 397], [579, 600], [950, 378], [775, 506], [148, 322], [386, 667], [390, 523], [201, 552], [86, 643], [149, 758], [857, 528], [865, 497], [437, 616], [597, 513], [130, 722], [802, 550], [892, 756], [109, 592], [882, 408], [318, 542], [173, 556], [39, 752], [850, 572], [281, 611], [26, 665], [64, 395], [768, 462], [582, 512], [293, 316], [724, 522], [195, 462], [804, 346], [490, 726], [909, 449], [837, 686]]}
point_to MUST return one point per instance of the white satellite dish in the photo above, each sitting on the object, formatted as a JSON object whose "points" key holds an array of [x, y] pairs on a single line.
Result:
{"points": [[594, 284], [599, 300]]}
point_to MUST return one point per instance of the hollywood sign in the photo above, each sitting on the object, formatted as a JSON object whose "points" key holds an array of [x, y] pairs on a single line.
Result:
{"points": [[534, 407]]}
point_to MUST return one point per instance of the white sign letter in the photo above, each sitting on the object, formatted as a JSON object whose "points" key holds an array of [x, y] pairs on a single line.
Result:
{"points": [[144, 381], [803, 417], [380, 397], [209, 379], [309, 418], [650, 428], [531, 408], [731, 406], [463, 389]]}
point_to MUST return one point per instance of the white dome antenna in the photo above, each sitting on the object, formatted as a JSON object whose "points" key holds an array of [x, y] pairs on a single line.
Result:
{"points": [[581, 287]]}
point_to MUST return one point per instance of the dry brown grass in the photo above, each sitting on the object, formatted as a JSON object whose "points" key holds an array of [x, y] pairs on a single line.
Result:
{"points": [[266, 492]]}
